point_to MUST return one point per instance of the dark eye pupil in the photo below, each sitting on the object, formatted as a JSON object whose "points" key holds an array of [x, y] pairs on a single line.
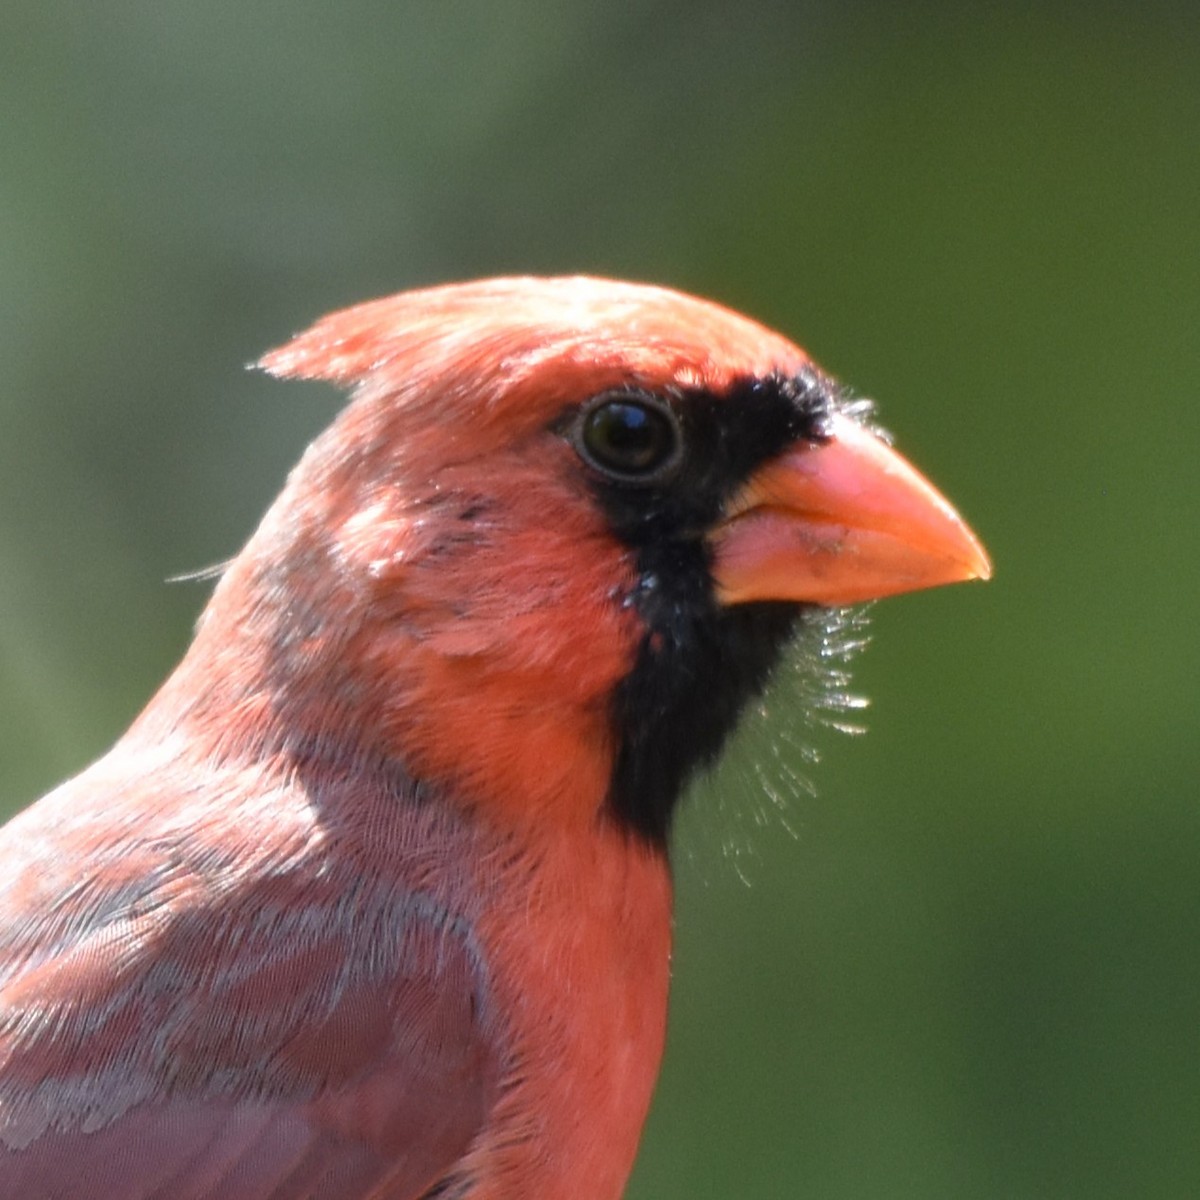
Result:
{"points": [[628, 437]]}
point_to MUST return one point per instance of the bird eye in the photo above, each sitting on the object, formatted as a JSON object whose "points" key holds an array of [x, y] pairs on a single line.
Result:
{"points": [[631, 436]]}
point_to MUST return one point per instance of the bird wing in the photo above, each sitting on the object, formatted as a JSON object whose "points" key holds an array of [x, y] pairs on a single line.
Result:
{"points": [[234, 994]]}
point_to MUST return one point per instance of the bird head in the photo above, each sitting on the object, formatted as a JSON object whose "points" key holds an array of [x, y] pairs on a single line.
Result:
{"points": [[557, 541]]}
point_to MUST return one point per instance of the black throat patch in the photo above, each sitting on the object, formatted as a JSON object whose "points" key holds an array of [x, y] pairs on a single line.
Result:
{"points": [[698, 663]]}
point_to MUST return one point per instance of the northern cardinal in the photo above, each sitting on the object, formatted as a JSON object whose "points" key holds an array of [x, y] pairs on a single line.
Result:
{"points": [[373, 899]]}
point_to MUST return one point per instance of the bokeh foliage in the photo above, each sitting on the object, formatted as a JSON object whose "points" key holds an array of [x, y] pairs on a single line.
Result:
{"points": [[973, 971]]}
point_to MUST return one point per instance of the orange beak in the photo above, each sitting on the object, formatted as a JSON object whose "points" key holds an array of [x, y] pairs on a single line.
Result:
{"points": [[840, 522]]}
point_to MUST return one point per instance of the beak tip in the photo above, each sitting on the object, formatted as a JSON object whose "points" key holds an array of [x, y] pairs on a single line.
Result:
{"points": [[979, 564]]}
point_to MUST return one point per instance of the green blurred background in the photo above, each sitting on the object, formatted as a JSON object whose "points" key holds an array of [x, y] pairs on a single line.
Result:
{"points": [[974, 970]]}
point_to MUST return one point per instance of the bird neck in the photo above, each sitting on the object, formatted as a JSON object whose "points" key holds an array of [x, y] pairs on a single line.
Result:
{"points": [[506, 713]]}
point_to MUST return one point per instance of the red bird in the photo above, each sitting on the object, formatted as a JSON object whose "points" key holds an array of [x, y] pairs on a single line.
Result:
{"points": [[373, 899]]}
